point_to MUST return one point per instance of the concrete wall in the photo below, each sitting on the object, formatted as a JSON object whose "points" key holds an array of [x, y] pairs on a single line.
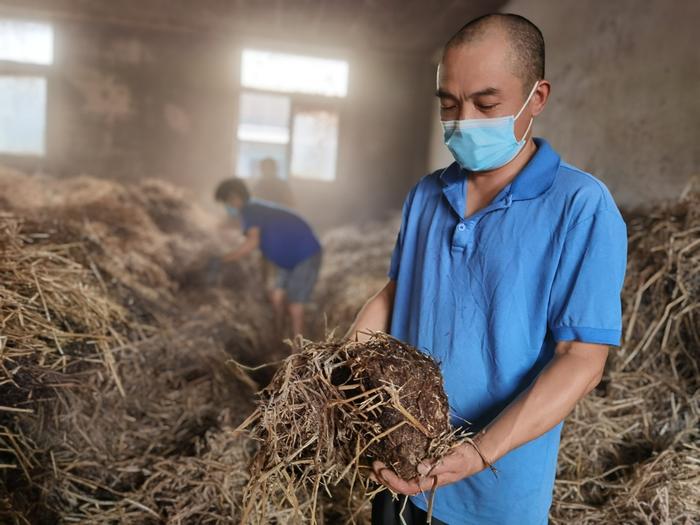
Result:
{"points": [[625, 101], [128, 102]]}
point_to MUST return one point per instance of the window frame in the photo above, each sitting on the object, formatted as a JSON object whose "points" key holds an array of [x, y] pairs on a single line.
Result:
{"points": [[11, 68], [337, 104]]}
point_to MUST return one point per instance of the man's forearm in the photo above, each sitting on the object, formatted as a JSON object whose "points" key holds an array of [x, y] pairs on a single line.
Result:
{"points": [[375, 314], [574, 371], [243, 250], [552, 396]]}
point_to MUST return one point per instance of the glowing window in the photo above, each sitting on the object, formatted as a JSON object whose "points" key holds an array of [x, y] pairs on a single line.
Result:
{"points": [[294, 73], [315, 145], [26, 42], [22, 115], [264, 118]]}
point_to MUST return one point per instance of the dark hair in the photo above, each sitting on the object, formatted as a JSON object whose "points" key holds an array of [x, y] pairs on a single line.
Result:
{"points": [[230, 187], [525, 39]]}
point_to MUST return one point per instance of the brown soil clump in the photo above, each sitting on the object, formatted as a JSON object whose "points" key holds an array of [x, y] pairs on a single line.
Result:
{"points": [[334, 407]]}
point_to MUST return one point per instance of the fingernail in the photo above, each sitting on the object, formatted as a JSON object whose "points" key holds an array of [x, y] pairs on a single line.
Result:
{"points": [[423, 469]]}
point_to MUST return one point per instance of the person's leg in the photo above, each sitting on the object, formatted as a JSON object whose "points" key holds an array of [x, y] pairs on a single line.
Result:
{"points": [[296, 314], [299, 287], [277, 298]]}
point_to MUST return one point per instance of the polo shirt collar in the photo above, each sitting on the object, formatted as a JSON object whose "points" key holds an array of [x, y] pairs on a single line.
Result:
{"points": [[533, 180]]}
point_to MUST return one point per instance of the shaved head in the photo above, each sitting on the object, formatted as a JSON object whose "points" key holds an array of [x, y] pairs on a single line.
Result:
{"points": [[525, 43]]}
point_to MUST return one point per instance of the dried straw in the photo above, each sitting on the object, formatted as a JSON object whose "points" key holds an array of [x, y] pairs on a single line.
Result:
{"points": [[331, 409], [117, 395]]}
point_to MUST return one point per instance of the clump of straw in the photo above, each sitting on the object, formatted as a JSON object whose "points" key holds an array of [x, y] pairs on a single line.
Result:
{"points": [[334, 407]]}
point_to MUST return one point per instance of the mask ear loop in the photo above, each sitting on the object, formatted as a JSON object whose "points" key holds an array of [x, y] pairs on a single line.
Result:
{"points": [[528, 99], [532, 92]]}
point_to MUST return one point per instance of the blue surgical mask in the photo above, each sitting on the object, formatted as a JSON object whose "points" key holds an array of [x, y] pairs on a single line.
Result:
{"points": [[486, 143], [232, 211]]}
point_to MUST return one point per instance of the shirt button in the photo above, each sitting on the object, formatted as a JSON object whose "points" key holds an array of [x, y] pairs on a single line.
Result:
{"points": [[460, 226]]}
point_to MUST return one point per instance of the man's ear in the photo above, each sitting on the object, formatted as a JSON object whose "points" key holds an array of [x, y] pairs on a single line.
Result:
{"points": [[540, 97]]}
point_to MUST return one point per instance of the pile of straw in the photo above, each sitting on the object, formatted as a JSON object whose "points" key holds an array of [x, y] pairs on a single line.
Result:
{"points": [[355, 265], [333, 408], [630, 450], [118, 396]]}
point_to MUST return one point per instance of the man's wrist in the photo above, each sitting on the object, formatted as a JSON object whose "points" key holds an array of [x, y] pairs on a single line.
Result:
{"points": [[481, 445]]}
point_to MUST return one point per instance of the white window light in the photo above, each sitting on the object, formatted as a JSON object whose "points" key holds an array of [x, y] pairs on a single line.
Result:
{"points": [[264, 118], [26, 42], [294, 73], [22, 115], [315, 145]]}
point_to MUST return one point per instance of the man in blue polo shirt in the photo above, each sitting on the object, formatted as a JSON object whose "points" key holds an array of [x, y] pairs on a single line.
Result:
{"points": [[285, 239], [507, 269]]}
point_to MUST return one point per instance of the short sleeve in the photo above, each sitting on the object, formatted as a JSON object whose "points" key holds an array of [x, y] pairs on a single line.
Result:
{"points": [[249, 218], [393, 273], [585, 303]]}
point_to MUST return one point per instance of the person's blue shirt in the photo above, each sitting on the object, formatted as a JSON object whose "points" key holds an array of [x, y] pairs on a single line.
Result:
{"points": [[285, 238], [490, 295]]}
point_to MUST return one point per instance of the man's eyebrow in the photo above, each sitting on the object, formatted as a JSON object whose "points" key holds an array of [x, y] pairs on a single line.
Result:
{"points": [[441, 93], [486, 92]]}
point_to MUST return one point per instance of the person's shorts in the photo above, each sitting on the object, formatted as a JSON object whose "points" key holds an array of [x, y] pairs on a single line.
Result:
{"points": [[299, 282]]}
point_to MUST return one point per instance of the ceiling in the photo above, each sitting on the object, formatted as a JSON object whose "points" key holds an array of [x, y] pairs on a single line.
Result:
{"points": [[404, 26]]}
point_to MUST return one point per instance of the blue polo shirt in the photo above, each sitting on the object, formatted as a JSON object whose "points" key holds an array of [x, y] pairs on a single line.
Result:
{"points": [[285, 238], [490, 295]]}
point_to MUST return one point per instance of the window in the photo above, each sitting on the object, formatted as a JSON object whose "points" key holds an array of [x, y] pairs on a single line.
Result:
{"points": [[26, 42], [315, 144], [263, 132], [26, 49], [289, 111], [22, 115], [294, 73]]}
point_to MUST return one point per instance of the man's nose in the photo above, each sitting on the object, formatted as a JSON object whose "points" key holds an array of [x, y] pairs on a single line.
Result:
{"points": [[468, 111]]}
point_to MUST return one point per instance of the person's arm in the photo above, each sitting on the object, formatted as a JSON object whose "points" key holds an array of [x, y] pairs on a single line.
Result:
{"points": [[375, 314], [573, 372], [252, 241]]}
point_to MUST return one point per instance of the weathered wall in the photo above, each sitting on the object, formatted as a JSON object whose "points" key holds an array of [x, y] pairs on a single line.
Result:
{"points": [[127, 102], [625, 101]]}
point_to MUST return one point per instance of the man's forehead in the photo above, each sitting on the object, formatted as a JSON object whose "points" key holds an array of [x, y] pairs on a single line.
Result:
{"points": [[483, 53], [477, 68]]}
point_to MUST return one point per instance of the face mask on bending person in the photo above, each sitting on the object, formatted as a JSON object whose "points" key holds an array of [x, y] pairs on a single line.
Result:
{"points": [[486, 143]]}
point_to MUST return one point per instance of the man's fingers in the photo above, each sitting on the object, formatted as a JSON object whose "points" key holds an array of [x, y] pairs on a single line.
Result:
{"points": [[377, 467], [388, 478], [429, 483]]}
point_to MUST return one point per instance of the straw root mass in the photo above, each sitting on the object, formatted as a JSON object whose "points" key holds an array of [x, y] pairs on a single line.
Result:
{"points": [[334, 407]]}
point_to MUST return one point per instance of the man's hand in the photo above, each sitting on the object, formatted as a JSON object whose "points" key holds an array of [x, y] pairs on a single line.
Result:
{"points": [[463, 461], [385, 476], [252, 241]]}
